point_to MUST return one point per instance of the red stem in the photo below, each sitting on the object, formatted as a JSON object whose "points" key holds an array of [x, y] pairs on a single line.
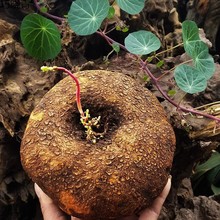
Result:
{"points": [[156, 82], [78, 101], [47, 14]]}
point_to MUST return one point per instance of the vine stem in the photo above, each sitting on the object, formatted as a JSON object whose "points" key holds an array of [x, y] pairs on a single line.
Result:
{"points": [[156, 82], [78, 99], [47, 14]]}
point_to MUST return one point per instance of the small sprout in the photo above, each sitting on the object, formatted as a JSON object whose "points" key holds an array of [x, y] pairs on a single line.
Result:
{"points": [[48, 68], [149, 59], [171, 92], [43, 9], [85, 117], [160, 63], [111, 12], [89, 123]]}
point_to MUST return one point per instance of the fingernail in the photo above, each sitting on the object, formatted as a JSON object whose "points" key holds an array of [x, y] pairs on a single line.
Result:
{"points": [[37, 190]]}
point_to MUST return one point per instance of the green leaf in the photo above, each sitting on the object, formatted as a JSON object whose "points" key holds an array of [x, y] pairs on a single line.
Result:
{"points": [[160, 63], [116, 47], [149, 59], [44, 9], [215, 189], [171, 92], [213, 174], [142, 42], [125, 29], [86, 16], [40, 37], [203, 60], [131, 6], [189, 79], [111, 12], [190, 33], [196, 47], [206, 65], [211, 163]]}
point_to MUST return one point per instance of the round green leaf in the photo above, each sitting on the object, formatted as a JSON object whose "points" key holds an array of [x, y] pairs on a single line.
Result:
{"points": [[142, 42], [40, 37], [196, 47], [205, 63], [203, 60], [131, 6], [85, 17], [190, 33], [189, 79]]}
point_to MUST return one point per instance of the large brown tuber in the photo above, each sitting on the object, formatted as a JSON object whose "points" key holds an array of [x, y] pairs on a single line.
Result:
{"points": [[119, 175]]}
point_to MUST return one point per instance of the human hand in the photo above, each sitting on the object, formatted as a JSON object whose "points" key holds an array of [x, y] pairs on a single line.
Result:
{"points": [[51, 212]]}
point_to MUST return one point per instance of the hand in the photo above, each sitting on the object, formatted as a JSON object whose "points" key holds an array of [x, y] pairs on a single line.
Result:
{"points": [[51, 212]]}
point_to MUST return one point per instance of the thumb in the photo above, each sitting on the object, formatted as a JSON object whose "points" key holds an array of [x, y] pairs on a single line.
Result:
{"points": [[48, 208], [153, 212]]}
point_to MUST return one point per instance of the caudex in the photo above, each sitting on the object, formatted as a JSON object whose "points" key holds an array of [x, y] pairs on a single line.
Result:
{"points": [[88, 122]]}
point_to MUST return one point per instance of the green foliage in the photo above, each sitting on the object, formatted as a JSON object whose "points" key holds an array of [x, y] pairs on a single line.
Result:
{"points": [[171, 92], [208, 171], [111, 12], [116, 47], [40, 37], [203, 61], [190, 33], [86, 17], [131, 6], [142, 42], [194, 79], [189, 79], [44, 9], [160, 64], [123, 29]]}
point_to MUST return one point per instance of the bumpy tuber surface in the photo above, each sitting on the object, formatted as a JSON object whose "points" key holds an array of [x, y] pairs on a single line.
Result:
{"points": [[119, 175]]}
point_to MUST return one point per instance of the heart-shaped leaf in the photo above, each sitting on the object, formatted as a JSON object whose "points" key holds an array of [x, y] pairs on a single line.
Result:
{"points": [[86, 16], [131, 6], [189, 79], [40, 37], [142, 42]]}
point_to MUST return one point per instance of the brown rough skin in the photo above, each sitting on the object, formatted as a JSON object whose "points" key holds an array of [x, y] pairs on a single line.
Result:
{"points": [[119, 175]]}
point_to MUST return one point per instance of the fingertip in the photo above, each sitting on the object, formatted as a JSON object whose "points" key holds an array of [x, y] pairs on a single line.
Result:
{"points": [[41, 195], [167, 188], [153, 212], [37, 190], [48, 208]]}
